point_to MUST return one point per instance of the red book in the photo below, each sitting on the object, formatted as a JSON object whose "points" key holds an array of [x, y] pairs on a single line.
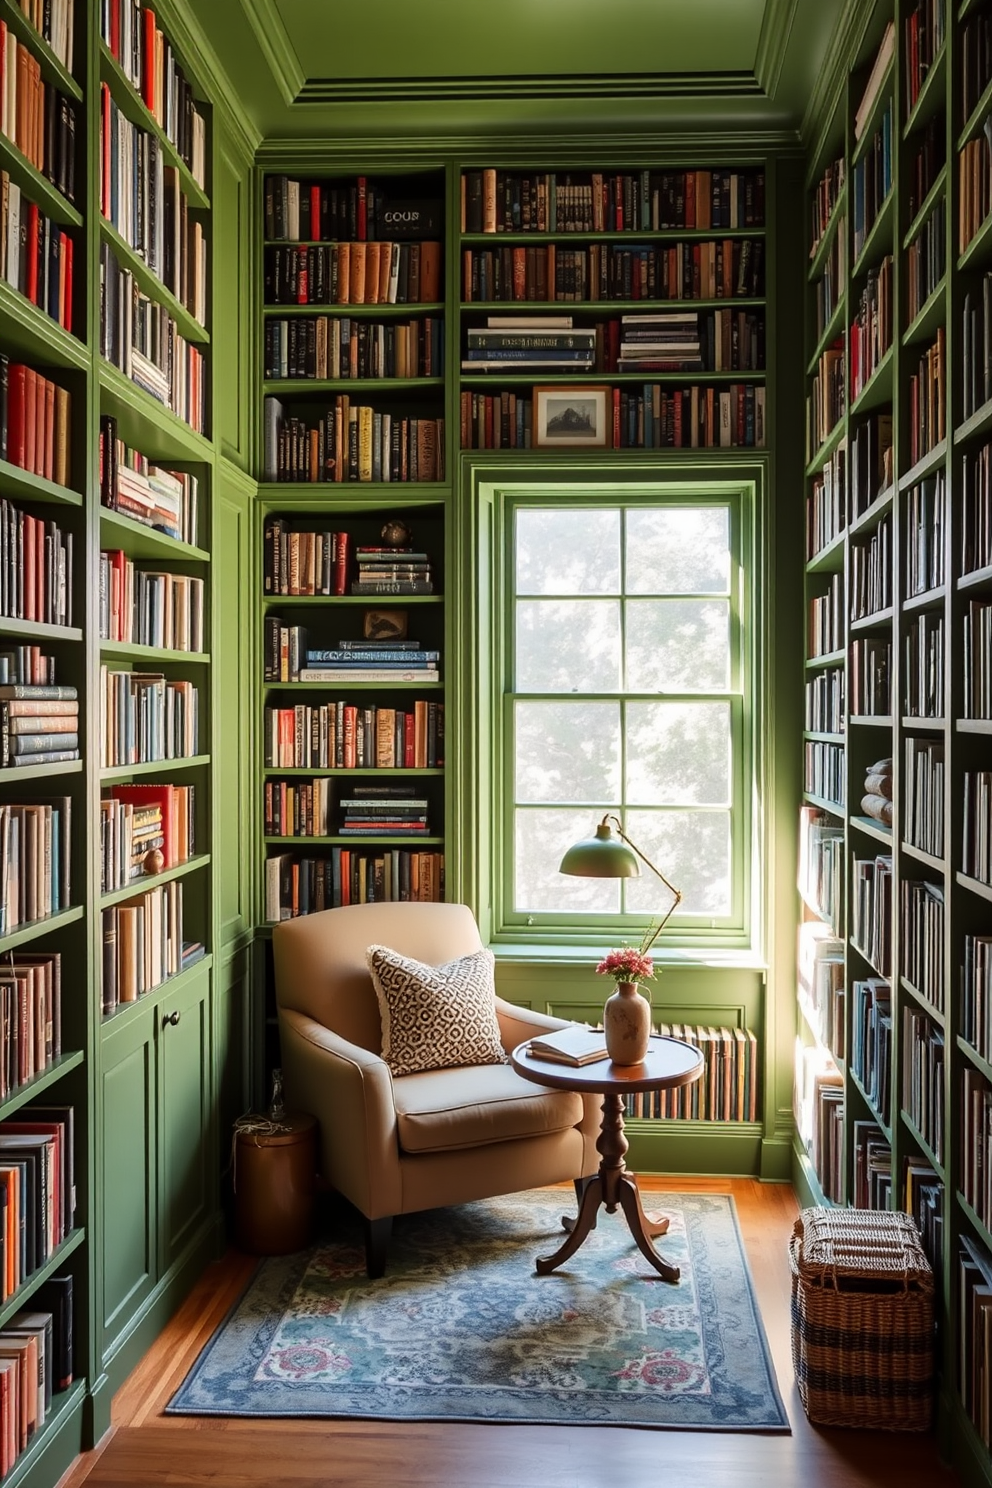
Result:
{"points": [[408, 738], [31, 286], [341, 544], [39, 425], [315, 211], [302, 277], [16, 413], [148, 62], [105, 150], [616, 418], [30, 418], [66, 257], [48, 448], [173, 850], [345, 875], [115, 28], [618, 203]]}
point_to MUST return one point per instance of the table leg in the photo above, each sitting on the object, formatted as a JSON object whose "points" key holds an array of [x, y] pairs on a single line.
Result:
{"points": [[578, 1228], [640, 1228]]}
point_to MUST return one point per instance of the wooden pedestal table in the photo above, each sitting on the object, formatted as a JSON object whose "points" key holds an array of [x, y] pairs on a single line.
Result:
{"points": [[668, 1064]]}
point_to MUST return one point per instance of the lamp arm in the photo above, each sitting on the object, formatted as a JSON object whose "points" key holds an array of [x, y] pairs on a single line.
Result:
{"points": [[676, 893]]}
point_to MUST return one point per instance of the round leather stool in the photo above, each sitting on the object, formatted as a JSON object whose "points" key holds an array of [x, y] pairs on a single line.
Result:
{"points": [[274, 1180]]}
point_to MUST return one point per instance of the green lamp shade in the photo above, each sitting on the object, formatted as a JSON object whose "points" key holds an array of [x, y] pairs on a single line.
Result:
{"points": [[602, 856]]}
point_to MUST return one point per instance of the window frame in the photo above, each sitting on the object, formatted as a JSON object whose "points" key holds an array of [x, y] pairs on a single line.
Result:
{"points": [[689, 484]]}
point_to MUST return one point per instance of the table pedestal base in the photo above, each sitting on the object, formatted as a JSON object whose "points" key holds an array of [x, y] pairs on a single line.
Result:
{"points": [[612, 1188]]}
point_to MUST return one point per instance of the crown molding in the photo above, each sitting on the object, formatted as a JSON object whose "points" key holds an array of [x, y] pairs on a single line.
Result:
{"points": [[269, 30], [576, 85], [849, 33], [773, 43]]}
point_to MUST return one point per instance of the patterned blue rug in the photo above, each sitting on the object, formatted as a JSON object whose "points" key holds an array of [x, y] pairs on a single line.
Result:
{"points": [[461, 1328]]}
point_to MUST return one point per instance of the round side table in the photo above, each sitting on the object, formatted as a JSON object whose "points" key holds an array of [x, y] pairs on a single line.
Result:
{"points": [[274, 1181], [668, 1064]]}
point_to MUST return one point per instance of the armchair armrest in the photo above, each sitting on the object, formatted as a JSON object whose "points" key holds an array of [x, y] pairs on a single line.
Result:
{"points": [[350, 1091], [518, 1023]]}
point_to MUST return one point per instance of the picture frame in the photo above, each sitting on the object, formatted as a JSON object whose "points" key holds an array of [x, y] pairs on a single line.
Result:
{"points": [[576, 417]]}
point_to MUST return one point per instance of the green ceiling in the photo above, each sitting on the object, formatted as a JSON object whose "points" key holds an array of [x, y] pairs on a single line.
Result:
{"points": [[441, 68]]}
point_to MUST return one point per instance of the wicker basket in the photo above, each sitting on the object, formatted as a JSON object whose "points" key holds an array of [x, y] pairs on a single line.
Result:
{"points": [[862, 1319]]}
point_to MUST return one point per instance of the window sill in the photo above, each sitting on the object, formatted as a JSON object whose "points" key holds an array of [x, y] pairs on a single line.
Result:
{"points": [[731, 958]]}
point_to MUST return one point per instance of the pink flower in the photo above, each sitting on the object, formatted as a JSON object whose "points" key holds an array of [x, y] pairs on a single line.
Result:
{"points": [[626, 965]]}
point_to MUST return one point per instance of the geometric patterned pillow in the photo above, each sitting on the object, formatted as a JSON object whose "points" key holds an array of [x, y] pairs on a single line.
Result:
{"points": [[436, 1017]]}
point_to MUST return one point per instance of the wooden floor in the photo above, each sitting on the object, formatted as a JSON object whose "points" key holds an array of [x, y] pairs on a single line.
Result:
{"points": [[145, 1448]]}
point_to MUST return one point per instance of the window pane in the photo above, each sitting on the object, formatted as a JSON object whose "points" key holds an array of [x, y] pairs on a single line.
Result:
{"points": [[568, 552], [568, 645], [692, 849], [678, 550], [540, 841], [678, 754], [567, 751], [678, 645]]}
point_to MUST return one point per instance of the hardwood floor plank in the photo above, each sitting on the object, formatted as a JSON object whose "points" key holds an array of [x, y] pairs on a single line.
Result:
{"points": [[149, 1450]]}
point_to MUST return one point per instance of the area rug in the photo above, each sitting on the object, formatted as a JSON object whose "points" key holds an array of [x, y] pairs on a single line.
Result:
{"points": [[461, 1327]]}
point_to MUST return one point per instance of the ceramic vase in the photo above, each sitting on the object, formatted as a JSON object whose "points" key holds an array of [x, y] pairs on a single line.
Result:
{"points": [[627, 1021]]}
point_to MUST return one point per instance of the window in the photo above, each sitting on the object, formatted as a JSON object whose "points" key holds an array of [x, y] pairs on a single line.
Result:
{"points": [[625, 690]]}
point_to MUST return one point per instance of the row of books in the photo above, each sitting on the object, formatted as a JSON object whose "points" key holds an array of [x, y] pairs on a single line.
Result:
{"points": [[871, 1041], [926, 260], [872, 1166], [386, 273], [35, 567], [340, 735], [39, 730], [140, 338], [871, 910], [871, 328], [923, 795], [146, 57], [976, 847], [312, 211], [26, 666], [351, 442], [138, 820], [35, 1362], [825, 620], [974, 185], [725, 268], [822, 988], [923, 1076], [149, 608], [35, 843], [976, 994], [821, 864], [926, 400], [977, 659], [299, 886], [829, 286], [823, 200], [606, 201], [332, 347], [37, 1189], [54, 21], [824, 702], [146, 717], [976, 344], [975, 61], [974, 1360], [880, 74], [923, 37], [924, 506], [923, 1198], [30, 1016], [727, 1089], [871, 182], [35, 115], [826, 503], [35, 422], [823, 771], [818, 1107], [36, 255], [167, 500], [871, 462], [870, 577], [289, 658], [142, 944], [142, 196], [714, 341], [306, 561], [653, 417], [825, 400], [871, 676], [976, 510], [923, 652], [297, 808], [976, 1142]]}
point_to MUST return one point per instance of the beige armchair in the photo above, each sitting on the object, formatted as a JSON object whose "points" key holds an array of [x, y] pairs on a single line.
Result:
{"points": [[397, 1144]]}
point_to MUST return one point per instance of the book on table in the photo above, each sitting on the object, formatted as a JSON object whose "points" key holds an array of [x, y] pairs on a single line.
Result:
{"points": [[572, 1045]]}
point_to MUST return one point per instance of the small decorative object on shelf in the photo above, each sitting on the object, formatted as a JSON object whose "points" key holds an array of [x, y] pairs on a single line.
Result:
{"points": [[627, 1014], [396, 534], [154, 860]]}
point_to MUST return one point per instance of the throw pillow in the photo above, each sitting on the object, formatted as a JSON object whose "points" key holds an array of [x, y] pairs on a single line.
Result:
{"points": [[436, 1017]]}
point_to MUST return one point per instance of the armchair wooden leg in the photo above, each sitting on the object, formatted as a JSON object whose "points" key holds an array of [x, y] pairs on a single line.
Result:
{"points": [[377, 1233]]}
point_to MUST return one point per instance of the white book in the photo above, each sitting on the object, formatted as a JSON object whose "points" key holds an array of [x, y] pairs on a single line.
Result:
{"points": [[574, 1044], [368, 674], [883, 57], [529, 322]]}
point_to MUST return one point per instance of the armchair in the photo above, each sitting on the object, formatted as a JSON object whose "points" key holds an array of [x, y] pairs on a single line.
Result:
{"points": [[398, 1144]]}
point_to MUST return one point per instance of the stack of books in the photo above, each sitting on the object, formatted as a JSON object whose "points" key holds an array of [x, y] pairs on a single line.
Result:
{"points": [[575, 1045], [512, 343], [39, 724], [667, 342], [164, 499], [384, 811], [392, 571], [371, 661]]}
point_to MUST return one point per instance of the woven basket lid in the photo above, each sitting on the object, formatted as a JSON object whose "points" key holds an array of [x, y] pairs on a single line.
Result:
{"points": [[866, 1244]]}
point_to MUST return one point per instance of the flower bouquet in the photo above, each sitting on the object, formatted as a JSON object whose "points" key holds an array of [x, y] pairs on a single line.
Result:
{"points": [[627, 965]]}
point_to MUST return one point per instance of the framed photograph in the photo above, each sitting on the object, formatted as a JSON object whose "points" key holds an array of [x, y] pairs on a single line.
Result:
{"points": [[572, 417]]}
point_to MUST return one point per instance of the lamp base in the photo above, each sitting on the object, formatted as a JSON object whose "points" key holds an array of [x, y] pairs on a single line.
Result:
{"points": [[627, 1023]]}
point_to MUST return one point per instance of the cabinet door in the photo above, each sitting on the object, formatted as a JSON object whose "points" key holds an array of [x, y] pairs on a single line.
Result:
{"points": [[128, 1200], [185, 1139]]}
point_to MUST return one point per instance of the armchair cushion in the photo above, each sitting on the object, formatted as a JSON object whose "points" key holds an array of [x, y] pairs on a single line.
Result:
{"points": [[436, 1017], [444, 1110]]}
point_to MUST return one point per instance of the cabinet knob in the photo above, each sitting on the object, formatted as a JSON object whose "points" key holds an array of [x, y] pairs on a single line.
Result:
{"points": [[172, 1018]]}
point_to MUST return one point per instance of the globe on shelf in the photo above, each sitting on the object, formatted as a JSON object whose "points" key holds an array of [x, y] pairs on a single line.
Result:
{"points": [[395, 534]]}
